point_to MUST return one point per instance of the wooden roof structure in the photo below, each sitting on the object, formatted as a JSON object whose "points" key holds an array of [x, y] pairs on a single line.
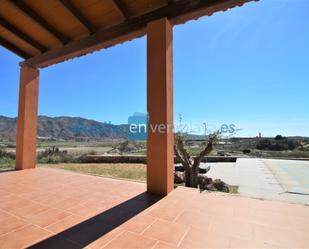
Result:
{"points": [[50, 31]]}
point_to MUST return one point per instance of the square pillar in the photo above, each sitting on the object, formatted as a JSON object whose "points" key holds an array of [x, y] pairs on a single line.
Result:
{"points": [[160, 142], [26, 133]]}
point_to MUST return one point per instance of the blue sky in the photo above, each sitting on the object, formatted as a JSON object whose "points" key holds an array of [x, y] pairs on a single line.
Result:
{"points": [[248, 66]]}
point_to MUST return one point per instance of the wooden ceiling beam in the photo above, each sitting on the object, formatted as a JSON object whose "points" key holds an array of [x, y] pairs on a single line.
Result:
{"points": [[40, 20], [20, 34], [10, 46], [179, 12], [119, 5], [78, 15]]}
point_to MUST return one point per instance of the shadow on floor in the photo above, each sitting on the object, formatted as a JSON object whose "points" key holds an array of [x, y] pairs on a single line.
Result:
{"points": [[90, 230]]}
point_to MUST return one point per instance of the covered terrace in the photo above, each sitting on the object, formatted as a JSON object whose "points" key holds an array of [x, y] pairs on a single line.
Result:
{"points": [[45, 208]]}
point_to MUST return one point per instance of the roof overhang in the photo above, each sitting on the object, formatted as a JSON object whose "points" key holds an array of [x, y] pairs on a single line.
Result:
{"points": [[177, 11]]}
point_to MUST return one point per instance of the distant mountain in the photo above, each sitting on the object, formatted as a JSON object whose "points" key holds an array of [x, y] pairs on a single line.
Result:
{"points": [[65, 128], [7, 128]]}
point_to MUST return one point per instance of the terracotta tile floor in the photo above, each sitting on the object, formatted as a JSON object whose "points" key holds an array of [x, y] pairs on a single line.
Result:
{"points": [[47, 208]]}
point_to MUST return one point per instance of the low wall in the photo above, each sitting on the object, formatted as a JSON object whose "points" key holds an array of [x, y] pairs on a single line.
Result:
{"points": [[143, 159], [114, 159]]}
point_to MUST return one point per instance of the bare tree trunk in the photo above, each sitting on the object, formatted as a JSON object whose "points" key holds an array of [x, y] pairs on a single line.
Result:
{"points": [[191, 165], [188, 177], [194, 180]]}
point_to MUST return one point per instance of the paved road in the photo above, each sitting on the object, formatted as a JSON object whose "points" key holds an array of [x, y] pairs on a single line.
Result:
{"points": [[266, 178]]}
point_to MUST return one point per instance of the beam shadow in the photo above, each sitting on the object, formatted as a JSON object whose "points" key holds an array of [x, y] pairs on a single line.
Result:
{"points": [[88, 231]]}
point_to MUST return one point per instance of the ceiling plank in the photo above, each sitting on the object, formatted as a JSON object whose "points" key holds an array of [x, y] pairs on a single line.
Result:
{"points": [[78, 15], [8, 45], [178, 13], [16, 31], [40, 20], [119, 5]]}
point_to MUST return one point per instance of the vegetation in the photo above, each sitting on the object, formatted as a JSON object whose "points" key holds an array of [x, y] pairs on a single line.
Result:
{"points": [[80, 136], [191, 176], [120, 170], [246, 151], [7, 159], [129, 147], [70, 152], [283, 154], [279, 143], [6, 163], [54, 155], [190, 164]]}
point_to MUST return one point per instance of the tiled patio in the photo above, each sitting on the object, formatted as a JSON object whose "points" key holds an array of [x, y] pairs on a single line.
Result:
{"points": [[47, 208]]}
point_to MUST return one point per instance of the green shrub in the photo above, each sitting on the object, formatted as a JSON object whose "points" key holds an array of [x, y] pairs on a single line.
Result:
{"points": [[304, 148], [54, 155], [246, 151], [279, 137], [5, 154], [92, 152], [276, 144], [6, 163], [80, 159], [292, 144]]}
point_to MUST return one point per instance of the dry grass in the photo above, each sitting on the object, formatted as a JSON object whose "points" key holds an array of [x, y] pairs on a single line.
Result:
{"points": [[130, 171]]}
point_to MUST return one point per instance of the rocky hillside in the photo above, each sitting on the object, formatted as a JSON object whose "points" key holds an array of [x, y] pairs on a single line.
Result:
{"points": [[66, 128]]}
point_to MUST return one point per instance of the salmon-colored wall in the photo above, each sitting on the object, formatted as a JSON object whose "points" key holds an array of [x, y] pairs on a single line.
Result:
{"points": [[27, 118], [160, 146]]}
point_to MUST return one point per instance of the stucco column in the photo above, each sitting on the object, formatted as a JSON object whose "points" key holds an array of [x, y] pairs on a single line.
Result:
{"points": [[26, 133], [160, 142]]}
